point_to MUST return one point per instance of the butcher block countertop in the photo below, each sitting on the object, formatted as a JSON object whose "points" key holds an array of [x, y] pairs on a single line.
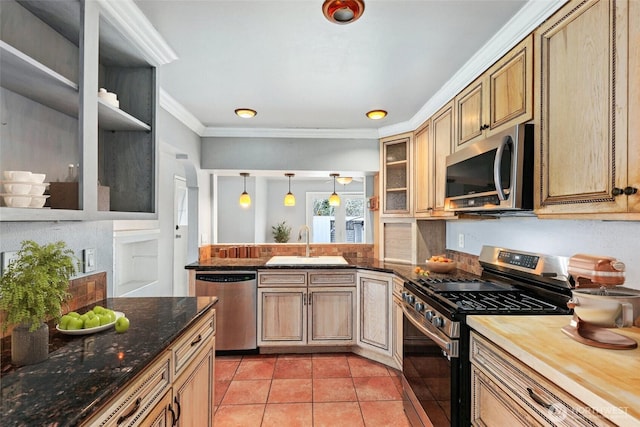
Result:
{"points": [[606, 380]]}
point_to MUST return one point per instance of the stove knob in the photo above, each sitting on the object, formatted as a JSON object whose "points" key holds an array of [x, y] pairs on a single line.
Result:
{"points": [[429, 315], [405, 296], [419, 306], [410, 299], [437, 321]]}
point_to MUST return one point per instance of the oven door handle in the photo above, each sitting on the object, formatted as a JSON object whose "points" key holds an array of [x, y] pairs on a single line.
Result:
{"points": [[449, 347]]}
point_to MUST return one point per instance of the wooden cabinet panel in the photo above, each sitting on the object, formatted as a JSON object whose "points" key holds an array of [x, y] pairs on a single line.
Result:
{"points": [[443, 137], [633, 169], [422, 181], [160, 416], [193, 391], [470, 110], [332, 278], [374, 307], [283, 316], [582, 146], [283, 278], [396, 179], [331, 315]]}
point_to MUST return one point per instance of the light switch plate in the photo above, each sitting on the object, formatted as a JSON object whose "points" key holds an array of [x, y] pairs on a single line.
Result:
{"points": [[88, 260], [7, 257]]}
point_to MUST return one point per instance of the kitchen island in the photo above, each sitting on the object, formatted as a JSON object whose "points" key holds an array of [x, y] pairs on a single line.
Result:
{"points": [[87, 371], [605, 381]]}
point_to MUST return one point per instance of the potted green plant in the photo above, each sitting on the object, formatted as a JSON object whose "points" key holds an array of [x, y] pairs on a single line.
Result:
{"points": [[281, 232], [33, 289]]}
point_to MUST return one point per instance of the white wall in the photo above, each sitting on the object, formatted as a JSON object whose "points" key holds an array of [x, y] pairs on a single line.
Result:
{"points": [[619, 239]]}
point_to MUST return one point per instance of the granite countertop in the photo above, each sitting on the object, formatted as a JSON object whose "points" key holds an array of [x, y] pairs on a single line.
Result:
{"points": [[606, 380], [85, 371]]}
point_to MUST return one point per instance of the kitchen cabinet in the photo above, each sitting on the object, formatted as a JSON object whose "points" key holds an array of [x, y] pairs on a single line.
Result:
{"points": [[396, 175], [441, 144], [374, 312], [502, 96], [398, 321], [587, 98], [101, 160], [177, 389], [300, 307], [423, 182], [504, 391]]}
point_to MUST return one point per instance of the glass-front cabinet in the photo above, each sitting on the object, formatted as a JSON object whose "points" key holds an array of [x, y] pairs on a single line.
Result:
{"points": [[78, 110], [396, 180]]}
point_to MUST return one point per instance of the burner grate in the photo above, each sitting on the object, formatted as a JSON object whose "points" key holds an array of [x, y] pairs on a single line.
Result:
{"points": [[510, 301]]}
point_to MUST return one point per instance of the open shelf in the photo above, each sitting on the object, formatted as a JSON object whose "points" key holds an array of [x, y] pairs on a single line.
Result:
{"points": [[112, 118]]}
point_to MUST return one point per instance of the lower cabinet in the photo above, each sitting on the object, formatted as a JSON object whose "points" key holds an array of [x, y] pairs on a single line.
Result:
{"points": [[175, 390], [374, 311], [504, 391], [398, 321]]}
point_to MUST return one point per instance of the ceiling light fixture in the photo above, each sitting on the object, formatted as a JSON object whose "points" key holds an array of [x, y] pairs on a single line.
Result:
{"points": [[344, 180], [343, 11], [245, 113], [376, 114], [289, 198], [334, 199], [245, 199]]}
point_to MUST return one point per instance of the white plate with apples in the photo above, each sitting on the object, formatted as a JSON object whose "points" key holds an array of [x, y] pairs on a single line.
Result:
{"points": [[86, 331]]}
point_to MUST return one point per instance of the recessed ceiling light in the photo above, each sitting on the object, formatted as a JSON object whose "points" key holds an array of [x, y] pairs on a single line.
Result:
{"points": [[377, 114], [245, 113], [343, 11]]}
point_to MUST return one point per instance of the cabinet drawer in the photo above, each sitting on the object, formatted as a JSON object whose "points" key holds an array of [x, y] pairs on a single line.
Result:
{"points": [[398, 286], [192, 341], [538, 396], [136, 401], [332, 278], [284, 278]]}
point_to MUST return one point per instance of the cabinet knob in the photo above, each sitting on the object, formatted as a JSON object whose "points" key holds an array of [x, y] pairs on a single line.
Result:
{"points": [[485, 126], [617, 191], [630, 190]]}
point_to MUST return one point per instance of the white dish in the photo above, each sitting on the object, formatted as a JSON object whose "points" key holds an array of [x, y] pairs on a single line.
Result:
{"points": [[16, 187], [37, 189], [37, 201], [21, 176], [119, 314], [38, 178], [16, 201]]}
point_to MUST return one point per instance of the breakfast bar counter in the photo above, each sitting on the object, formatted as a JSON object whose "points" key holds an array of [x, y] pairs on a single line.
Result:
{"points": [[86, 371]]}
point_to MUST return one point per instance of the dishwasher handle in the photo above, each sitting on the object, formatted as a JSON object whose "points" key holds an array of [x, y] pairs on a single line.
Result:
{"points": [[226, 277]]}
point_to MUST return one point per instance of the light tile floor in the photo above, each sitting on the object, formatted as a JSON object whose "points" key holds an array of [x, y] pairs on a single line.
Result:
{"points": [[319, 390]]}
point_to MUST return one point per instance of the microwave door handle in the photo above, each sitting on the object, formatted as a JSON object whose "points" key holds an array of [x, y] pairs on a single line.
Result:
{"points": [[497, 177]]}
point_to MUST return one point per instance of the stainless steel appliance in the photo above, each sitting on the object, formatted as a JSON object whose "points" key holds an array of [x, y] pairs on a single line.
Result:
{"points": [[436, 368], [492, 175], [236, 310]]}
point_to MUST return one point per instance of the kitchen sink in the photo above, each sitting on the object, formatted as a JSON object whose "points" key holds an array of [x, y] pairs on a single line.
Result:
{"points": [[303, 260]]}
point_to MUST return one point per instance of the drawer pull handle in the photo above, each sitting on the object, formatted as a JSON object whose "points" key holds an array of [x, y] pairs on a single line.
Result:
{"points": [[175, 399], [133, 410], [539, 400], [197, 340]]}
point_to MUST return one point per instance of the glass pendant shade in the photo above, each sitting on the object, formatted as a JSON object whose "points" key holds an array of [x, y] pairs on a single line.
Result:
{"points": [[245, 199], [289, 198], [334, 199]]}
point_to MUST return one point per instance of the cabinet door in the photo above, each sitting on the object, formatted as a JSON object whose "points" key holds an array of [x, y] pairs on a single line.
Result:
{"points": [[374, 308], [396, 180], [398, 320], [581, 60], [193, 393], [160, 416], [282, 316], [634, 106], [443, 137], [471, 111], [422, 181], [331, 312]]}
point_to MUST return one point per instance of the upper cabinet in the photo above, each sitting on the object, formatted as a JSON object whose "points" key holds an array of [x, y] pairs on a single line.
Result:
{"points": [[441, 143], [396, 175], [588, 144], [99, 155], [422, 181], [500, 97]]}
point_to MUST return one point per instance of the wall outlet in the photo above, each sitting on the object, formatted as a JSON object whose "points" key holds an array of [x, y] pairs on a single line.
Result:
{"points": [[461, 240], [88, 260]]}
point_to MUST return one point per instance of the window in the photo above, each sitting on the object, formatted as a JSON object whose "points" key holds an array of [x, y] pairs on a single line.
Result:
{"points": [[340, 224]]}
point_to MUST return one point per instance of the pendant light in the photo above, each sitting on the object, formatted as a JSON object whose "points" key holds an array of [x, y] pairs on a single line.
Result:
{"points": [[343, 11], [289, 198], [334, 199], [245, 199]]}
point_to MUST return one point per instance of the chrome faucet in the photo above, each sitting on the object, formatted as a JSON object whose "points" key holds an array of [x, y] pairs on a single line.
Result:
{"points": [[307, 230]]}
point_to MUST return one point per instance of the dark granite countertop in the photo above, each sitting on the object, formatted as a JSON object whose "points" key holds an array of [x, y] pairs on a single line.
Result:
{"points": [[84, 371]]}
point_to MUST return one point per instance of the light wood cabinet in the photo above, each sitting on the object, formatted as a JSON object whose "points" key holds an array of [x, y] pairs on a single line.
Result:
{"points": [[398, 321], [502, 96], [294, 310], [587, 111], [374, 311], [441, 143], [177, 389], [396, 175], [504, 391], [423, 182]]}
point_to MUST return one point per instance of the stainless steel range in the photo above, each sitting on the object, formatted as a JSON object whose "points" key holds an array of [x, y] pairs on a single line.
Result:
{"points": [[436, 368]]}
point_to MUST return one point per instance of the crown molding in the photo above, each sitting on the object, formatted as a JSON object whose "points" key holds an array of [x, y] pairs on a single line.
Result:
{"points": [[178, 111], [291, 133], [139, 30], [532, 14]]}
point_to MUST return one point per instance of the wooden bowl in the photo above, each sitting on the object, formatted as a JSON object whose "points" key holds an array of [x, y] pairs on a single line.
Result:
{"points": [[441, 267]]}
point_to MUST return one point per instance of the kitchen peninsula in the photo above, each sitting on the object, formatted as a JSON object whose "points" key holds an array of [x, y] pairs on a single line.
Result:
{"points": [[82, 381]]}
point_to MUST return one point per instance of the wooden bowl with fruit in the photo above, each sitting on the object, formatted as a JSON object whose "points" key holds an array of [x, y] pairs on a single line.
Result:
{"points": [[441, 264]]}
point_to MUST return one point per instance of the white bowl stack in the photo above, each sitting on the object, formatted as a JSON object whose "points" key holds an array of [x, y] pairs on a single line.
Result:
{"points": [[24, 189]]}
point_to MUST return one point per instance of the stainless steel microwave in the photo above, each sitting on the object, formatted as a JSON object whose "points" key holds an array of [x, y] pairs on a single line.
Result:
{"points": [[493, 175]]}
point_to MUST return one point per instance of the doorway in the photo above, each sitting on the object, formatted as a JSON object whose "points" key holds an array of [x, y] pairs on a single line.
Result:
{"points": [[181, 233]]}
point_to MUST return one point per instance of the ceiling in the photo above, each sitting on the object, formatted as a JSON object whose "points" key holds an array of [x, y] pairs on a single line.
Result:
{"points": [[299, 71]]}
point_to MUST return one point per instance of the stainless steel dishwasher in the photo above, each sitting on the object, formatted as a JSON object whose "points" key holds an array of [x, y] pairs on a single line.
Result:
{"points": [[236, 310]]}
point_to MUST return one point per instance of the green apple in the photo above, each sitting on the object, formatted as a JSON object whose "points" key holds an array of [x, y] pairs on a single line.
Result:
{"points": [[73, 314], [122, 324], [75, 323], [92, 322], [111, 314], [90, 314], [64, 321], [98, 309], [104, 319], [83, 317]]}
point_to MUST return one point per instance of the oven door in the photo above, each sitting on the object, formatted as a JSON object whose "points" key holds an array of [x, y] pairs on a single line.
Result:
{"points": [[430, 374]]}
